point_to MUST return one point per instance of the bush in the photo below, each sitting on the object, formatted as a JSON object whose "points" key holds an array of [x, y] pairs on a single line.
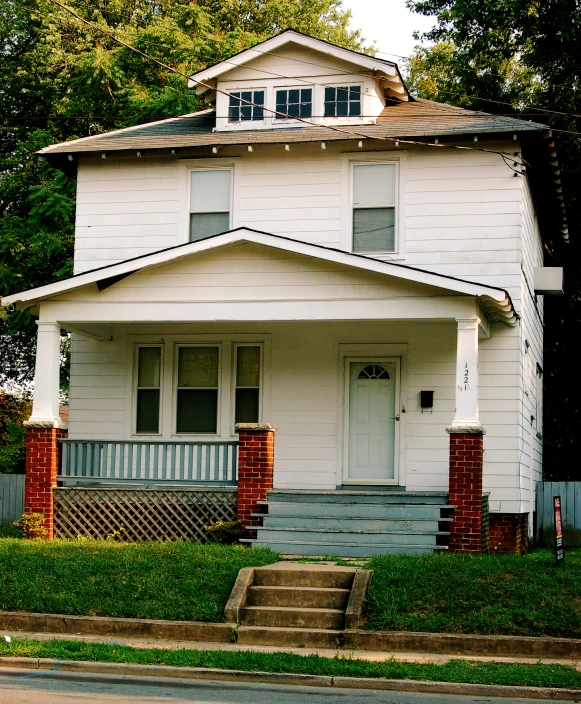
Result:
{"points": [[13, 412], [226, 532], [32, 525]]}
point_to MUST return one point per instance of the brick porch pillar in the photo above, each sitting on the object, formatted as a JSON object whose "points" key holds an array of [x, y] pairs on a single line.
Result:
{"points": [[44, 427], [255, 467], [465, 489], [42, 463], [509, 532]]}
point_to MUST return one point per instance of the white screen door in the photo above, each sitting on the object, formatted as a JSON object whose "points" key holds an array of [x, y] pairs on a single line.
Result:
{"points": [[372, 431]]}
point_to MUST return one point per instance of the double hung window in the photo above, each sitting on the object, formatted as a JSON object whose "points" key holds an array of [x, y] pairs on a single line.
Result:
{"points": [[148, 390], [246, 105], [344, 101], [210, 202], [247, 384], [374, 207], [197, 389], [294, 102]]}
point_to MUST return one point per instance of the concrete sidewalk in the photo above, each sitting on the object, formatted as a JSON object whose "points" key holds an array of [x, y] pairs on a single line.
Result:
{"points": [[373, 656]]}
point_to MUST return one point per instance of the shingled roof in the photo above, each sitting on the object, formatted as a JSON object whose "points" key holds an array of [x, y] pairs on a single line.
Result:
{"points": [[418, 118]]}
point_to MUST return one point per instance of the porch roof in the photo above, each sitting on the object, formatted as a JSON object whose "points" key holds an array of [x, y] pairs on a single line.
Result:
{"points": [[496, 302]]}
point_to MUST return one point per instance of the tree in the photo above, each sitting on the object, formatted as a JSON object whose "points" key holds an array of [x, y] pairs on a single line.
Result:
{"points": [[60, 80], [525, 55]]}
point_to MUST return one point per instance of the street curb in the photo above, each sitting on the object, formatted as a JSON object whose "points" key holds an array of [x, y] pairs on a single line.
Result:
{"points": [[379, 641], [199, 673]]}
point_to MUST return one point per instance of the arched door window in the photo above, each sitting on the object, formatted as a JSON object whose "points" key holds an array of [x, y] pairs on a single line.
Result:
{"points": [[374, 371]]}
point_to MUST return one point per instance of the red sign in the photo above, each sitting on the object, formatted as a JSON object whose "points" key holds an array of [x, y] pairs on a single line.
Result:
{"points": [[559, 545]]}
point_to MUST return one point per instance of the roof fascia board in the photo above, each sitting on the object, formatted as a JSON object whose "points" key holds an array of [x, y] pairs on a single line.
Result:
{"points": [[286, 38], [245, 235]]}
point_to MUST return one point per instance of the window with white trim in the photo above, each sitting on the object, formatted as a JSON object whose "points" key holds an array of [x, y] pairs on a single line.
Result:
{"points": [[210, 202], [148, 391], [294, 102], [374, 199], [342, 101], [247, 370], [197, 392], [246, 105]]}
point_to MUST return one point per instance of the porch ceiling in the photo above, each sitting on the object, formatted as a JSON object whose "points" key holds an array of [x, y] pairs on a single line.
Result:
{"points": [[246, 275]]}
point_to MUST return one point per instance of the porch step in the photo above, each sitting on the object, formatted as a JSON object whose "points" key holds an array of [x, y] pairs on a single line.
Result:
{"points": [[345, 549], [353, 523]]}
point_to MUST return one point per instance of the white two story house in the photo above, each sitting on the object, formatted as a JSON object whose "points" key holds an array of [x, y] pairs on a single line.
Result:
{"points": [[320, 251]]}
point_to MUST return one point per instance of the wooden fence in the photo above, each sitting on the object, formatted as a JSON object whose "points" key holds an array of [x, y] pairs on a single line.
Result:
{"points": [[11, 497], [570, 493], [142, 514]]}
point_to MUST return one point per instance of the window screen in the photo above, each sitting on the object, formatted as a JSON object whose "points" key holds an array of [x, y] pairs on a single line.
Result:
{"points": [[247, 399], [296, 102], [209, 203], [374, 194], [343, 101], [246, 105], [197, 392], [148, 390]]}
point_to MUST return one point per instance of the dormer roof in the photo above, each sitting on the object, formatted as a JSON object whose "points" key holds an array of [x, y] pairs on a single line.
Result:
{"points": [[387, 72]]}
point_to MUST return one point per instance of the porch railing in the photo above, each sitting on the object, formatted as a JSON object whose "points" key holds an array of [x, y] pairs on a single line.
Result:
{"points": [[149, 462]]}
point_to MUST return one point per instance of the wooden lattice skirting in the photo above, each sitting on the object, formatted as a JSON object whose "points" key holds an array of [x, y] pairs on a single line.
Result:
{"points": [[142, 514]]}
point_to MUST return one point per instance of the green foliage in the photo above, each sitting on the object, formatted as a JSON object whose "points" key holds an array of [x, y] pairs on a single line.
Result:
{"points": [[524, 54], [522, 595], [61, 80], [226, 532], [512, 674], [13, 411], [177, 581]]}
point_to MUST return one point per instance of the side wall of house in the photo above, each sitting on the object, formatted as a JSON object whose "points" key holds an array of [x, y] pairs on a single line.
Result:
{"points": [[531, 357]]}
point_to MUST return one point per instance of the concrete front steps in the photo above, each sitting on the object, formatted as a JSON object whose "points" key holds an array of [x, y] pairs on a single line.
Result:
{"points": [[353, 523], [298, 597]]}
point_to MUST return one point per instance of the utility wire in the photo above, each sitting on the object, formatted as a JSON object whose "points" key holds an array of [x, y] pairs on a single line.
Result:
{"points": [[350, 134]]}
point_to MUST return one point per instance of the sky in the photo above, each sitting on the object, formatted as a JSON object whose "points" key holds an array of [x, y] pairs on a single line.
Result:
{"points": [[389, 23]]}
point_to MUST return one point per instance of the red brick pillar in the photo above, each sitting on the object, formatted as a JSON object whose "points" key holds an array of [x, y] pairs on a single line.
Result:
{"points": [[465, 492], [42, 463], [509, 532], [255, 467]]}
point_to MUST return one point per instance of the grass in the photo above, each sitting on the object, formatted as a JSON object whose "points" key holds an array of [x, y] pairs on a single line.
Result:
{"points": [[485, 594], [514, 674], [177, 581]]}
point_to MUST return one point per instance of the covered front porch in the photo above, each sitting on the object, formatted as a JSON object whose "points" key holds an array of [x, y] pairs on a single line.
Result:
{"points": [[184, 366]]}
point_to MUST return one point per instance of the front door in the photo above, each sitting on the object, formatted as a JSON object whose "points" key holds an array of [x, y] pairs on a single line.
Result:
{"points": [[371, 420]]}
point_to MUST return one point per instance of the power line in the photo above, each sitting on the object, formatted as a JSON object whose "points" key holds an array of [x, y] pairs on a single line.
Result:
{"points": [[351, 135]]}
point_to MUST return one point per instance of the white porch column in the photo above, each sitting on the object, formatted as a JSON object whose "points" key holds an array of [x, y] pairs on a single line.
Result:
{"points": [[45, 405], [466, 415]]}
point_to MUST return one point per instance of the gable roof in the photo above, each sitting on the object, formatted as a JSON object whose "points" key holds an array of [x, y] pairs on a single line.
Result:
{"points": [[495, 301], [380, 68]]}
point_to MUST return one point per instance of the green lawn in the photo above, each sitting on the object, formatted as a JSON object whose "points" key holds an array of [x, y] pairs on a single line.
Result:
{"points": [[176, 581], [498, 594], [561, 676]]}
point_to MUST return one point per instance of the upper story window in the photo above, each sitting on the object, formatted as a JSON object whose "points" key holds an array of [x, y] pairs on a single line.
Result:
{"points": [[343, 101], [374, 207], [246, 105], [210, 202], [294, 102]]}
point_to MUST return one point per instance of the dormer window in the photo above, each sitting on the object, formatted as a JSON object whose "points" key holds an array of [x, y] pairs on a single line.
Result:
{"points": [[246, 105], [294, 102], [343, 101]]}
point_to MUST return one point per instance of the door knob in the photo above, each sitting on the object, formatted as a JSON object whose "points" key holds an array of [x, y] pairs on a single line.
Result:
{"points": [[395, 417]]}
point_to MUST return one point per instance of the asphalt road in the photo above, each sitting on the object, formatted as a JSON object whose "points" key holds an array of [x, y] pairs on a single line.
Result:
{"points": [[26, 687]]}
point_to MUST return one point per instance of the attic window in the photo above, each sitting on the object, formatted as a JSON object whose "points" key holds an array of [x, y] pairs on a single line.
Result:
{"points": [[296, 102], [344, 101], [241, 109]]}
